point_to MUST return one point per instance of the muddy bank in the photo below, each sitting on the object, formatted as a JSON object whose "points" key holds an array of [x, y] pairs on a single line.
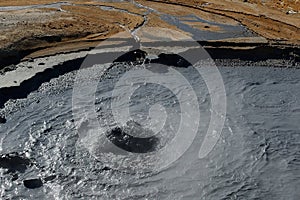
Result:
{"points": [[20, 83], [216, 49]]}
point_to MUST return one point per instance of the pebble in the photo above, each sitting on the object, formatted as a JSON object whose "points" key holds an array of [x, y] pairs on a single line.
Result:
{"points": [[33, 183], [2, 120]]}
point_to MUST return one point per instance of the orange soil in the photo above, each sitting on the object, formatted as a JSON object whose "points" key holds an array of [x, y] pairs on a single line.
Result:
{"points": [[84, 24], [273, 24]]}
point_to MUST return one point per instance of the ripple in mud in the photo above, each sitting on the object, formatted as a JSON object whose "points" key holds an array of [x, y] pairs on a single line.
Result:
{"points": [[262, 165], [269, 98]]}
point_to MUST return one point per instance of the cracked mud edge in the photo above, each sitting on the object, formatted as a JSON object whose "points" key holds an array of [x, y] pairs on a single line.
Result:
{"points": [[217, 49], [223, 56]]}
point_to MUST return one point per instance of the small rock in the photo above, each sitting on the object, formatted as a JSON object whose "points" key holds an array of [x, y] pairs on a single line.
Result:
{"points": [[206, 4], [33, 183], [49, 178], [14, 162], [2, 120], [14, 177], [106, 168], [30, 60], [291, 12], [254, 83]]}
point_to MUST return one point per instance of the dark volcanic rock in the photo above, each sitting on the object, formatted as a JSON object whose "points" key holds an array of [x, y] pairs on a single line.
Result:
{"points": [[33, 183], [14, 162]]}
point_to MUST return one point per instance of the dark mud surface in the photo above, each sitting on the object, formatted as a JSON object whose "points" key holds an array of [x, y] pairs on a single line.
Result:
{"points": [[257, 155]]}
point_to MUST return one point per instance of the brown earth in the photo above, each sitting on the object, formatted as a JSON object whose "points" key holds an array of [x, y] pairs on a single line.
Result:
{"points": [[38, 32], [78, 27], [24, 3], [272, 22]]}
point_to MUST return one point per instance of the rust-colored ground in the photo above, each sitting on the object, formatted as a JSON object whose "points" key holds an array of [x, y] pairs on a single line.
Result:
{"points": [[271, 20], [23, 3], [83, 24], [78, 26]]}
